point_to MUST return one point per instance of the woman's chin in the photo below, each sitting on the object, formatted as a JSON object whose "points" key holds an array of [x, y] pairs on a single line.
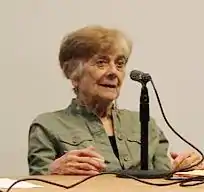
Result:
{"points": [[109, 97]]}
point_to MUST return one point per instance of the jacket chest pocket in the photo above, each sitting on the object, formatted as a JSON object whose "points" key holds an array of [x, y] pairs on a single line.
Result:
{"points": [[76, 142], [134, 147]]}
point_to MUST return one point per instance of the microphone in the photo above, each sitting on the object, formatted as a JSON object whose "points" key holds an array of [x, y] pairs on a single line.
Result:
{"points": [[140, 76]]}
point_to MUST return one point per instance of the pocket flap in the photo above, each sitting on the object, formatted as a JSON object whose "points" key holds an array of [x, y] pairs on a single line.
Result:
{"points": [[76, 140], [134, 137]]}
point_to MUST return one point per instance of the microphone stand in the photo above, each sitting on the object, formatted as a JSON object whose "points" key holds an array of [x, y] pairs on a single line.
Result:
{"points": [[144, 117], [144, 121]]}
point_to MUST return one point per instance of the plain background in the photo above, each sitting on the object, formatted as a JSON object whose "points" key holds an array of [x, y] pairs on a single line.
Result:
{"points": [[168, 39]]}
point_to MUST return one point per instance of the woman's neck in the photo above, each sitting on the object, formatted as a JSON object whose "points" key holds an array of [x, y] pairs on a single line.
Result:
{"points": [[101, 108]]}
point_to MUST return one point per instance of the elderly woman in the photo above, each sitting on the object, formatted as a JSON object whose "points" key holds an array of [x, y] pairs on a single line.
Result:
{"points": [[92, 135]]}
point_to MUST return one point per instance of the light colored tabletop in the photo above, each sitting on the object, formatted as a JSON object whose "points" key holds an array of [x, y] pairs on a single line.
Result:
{"points": [[105, 183]]}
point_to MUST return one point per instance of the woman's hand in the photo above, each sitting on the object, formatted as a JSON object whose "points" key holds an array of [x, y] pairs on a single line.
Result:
{"points": [[78, 162], [185, 160]]}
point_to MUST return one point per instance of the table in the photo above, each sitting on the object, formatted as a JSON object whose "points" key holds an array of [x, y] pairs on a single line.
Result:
{"points": [[105, 183]]}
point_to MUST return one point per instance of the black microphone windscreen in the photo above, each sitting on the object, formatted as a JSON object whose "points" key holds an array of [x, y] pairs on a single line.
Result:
{"points": [[136, 75], [139, 76]]}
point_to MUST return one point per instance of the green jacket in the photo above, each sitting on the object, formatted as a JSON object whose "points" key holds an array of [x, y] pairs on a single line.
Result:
{"points": [[51, 134]]}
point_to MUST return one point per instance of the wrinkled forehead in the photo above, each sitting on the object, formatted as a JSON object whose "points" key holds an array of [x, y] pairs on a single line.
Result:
{"points": [[113, 46]]}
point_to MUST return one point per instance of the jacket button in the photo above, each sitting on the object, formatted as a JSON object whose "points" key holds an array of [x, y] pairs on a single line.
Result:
{"points": [[120, 136], [75, 139], [126, 158]]}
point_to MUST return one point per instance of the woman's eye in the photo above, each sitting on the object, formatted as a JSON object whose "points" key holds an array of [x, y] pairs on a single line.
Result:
{"points": [[120, 64], [101, 63]]}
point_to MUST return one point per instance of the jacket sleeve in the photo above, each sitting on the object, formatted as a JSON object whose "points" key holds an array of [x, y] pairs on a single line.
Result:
{"points": [[41, 150]]}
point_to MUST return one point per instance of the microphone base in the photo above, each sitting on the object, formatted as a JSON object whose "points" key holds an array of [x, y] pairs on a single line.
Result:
{"points": [[144, 174]]}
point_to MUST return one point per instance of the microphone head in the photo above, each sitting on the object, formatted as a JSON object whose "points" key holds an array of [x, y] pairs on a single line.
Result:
{"points": [[140, 76]]}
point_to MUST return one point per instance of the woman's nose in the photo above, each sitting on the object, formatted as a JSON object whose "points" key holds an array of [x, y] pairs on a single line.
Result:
{"points": [[113, 68], [112, 72]]}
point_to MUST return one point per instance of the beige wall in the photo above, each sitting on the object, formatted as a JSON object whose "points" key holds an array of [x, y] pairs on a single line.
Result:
{"points": [[169, 43]]}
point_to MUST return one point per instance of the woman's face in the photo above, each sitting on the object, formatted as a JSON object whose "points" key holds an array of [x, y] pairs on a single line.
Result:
{"points": [[103, 76]]}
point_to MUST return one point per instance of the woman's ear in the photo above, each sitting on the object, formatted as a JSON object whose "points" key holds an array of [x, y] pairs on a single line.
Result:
{"points": [[74, 83]]}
